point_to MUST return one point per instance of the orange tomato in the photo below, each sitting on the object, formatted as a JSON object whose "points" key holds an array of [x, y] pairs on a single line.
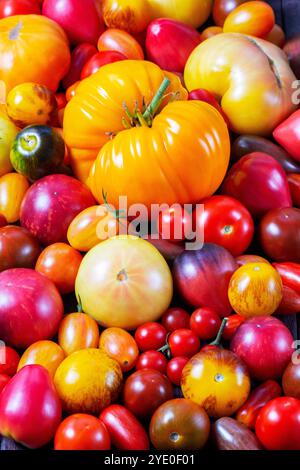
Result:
{"points": [[88, 381], [121, 41], [78, 331], [255, 289], [71, 91], [276, 36], [13, 188], [254, 18], [45, 353], [60, 263], [121, 346], [222, 8], [91, 226], [217, 380], [130, 16], [211, 31]]}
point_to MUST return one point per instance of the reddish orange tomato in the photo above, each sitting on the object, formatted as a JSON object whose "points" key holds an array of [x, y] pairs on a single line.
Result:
{"points": [[121, 346], [13, 188], [222, 8], [276, 36], [78, 331], [232, 324], [211, 31], [45, 353], [121, 41], [254, 18], [81, 432], [71, 91], [60, 263]]}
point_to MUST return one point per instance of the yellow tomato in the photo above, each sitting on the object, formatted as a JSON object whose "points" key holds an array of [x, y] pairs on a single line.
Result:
{"points": [[78, 331], [130, 16], [8, 132], [251, 77], [13, 188], [121, 346], [217, 380], [87, 381], [30, 103], [45, 353], [255, 289], [192, 12], [124, 282]]}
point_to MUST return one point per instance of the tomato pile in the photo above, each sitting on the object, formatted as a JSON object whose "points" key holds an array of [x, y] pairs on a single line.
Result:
{"points": [[188, 105]]}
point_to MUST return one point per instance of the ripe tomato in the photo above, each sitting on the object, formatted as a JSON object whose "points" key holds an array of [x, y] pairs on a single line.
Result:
{"points": [[13, 188], [121, 346], [294, 184], [254, 18], [150, 336], [3, 221], [19, 7], [222, 8], [175, 368], [233, 323], [45, 353], [9, 360], [175, 318], [4, 379], [71, 91], [78, 331], [183, 343], [245, 259], [100, 59], [80, 56], [81, 432], [205, 323], [226, 222], [278, 424], [291, 380], [211, 31], [174, 224], [152, 360], [60, 263], [121, 41]]}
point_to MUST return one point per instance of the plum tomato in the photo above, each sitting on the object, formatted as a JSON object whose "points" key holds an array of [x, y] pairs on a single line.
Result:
{"points": [[175, 368], [9, 360], [254, 18], [118, 40], [81, 432], [233, 323], [78, 331], [183, 342], [150, 336], [205, 323], [174, 224], [121, 346], [152, 360], [175, 318]]}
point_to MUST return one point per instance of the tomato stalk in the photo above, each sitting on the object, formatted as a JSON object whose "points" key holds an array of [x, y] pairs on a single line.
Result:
{"points": [[217, 341], [156, 101]]}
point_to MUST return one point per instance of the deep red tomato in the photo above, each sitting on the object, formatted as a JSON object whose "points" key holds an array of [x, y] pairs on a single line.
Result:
{"points": [[294, 184], [100, 59], [175, 368], [3, 221], [80, 56], [226, 222], [9, 360], [183, 343], [61, 100], [4, 379], [287, 135], [174, 224], [233, 323], [175, 319], [278, 424], [204, 95], [19, 7], [152, 360], [81, 432], [205, 323], [150, 336]]}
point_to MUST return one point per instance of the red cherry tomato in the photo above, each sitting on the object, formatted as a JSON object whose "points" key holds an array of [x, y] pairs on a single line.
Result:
{"points": [[150, 336], [4, 379], [278, 424], [81, 432], [183, 343], [175, 319], [80, 56], [9, 360], [205, 323], [226, 222], [19, 7], [152, 360], [175, 368], [233, 323], [204, 95], [100, 59], [174, 224]]}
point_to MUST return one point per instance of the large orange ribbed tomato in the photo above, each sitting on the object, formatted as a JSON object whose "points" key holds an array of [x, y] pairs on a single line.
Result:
{"points": [[32, 49], [179, 156]]}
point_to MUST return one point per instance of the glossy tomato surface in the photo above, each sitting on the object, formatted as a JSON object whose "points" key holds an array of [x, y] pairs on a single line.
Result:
{"points": [[81, 432], [18, 248], [121, 346], [78, 331]]}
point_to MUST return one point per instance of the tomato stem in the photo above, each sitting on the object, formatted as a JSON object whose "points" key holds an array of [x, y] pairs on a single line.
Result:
{"points": [[156, 101], [217, 341]]}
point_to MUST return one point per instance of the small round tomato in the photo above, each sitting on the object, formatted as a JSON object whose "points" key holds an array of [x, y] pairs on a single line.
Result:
{"points": [[175, 368], [226, 222], [78, 331], [278, 424], [152, 360], [254, 18], [45, 353], [233, 323], [4, 379], [9, 360], [100, 59], [81, 432], [205, 323], [150, 336], [174, 224], [255, 289], [121, 41], [145, 390], [183, 343], [60, 263], [71, 91], [19, 7], [222, 8], [175, 318], [121, 346]]}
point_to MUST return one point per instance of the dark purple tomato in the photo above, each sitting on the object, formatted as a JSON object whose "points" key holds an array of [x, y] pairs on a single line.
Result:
{"points": [[18, 248]]}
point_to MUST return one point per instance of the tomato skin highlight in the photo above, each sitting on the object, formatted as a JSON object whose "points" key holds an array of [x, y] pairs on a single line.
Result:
{"points": [[81, 432]]}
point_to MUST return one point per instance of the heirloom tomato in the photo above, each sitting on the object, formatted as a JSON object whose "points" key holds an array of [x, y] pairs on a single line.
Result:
{"points": [[13, 188], [286, 134], [232, 324], [290, 276], [255, 289], [152, 360], [246, 259], [120, 41], [150, 336], [4, 379], [183, 343], [211, 31], [133, 17], [18, 248], [276, 36], [71, 91], [19, 7], [254, 18], [9, 360], [175, 318], [190, 11], [99, 60], [81, 54], [45, 353], [229, 434], [217, 380], [294, 183], [205, 323], [174, 224], [291, 380], [179, 424], [78, 331], [8, 133], [222, 8], [121, 346]]}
